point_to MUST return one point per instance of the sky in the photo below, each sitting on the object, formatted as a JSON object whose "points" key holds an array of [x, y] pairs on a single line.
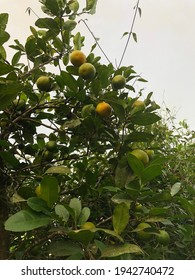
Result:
{"points": [[164, 54]]}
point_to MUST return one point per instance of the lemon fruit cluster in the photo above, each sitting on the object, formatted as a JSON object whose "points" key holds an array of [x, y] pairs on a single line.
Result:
{"points": [[86, 70]]}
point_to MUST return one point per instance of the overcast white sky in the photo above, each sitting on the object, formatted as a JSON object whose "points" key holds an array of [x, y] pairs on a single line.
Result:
{"points": [[164, 54]]}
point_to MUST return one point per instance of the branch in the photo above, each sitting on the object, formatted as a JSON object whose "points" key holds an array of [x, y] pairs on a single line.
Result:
{"points": [[131, 31]]}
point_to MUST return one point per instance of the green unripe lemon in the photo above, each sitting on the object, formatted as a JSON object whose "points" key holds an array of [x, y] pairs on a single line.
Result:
{"points": [[43, 83], [141, 155], [118, 82], [87, 71]]}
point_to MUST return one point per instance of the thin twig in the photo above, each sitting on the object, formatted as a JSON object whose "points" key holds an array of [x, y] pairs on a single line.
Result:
{"points": [[129, 36]]}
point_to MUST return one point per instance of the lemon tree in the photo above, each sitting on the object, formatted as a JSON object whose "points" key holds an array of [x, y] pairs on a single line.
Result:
{"points": [[82, 160]]}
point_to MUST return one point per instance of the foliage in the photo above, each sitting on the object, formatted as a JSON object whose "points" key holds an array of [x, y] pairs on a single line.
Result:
{"points": [[87, 172]]}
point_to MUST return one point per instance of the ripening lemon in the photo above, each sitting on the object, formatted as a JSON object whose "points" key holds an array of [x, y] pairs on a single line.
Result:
{"points": [[87, 71], [38, 191], [138, 103], [143, 235], [88, 225], [43, 83], [163, 237], [104, 109], [118, 82], [150, 153], [77, 58], [141, 155]]}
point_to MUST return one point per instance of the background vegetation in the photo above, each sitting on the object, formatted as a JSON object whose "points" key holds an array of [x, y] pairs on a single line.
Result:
{"points": [[70, 186]]}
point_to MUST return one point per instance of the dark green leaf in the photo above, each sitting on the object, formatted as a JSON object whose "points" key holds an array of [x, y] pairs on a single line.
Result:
{"points": [[3, 21], [135, 164], [52, 6], [69, 81], [47, 23], [139, 137], [145, 118], [9, 159], [5, 68], [25, 220], [62, 248], [38, 205], [4, 37]]}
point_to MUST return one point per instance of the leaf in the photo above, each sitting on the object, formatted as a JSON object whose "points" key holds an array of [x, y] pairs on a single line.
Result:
{"points": [[75, 204], [58, 170], [62, 212], [49, 190], [145, 118], [8, 92], [16, 58], [91, 6], [69, 25], [26, 220], [61, 248], [47, 23], [82, 235], [72, 123], [120, 217], [150, 172], [121, 198], [9, 159], [3, 20], [38, 205], [74, 5], [139, 137], [69, 81], [84, 216], [135, 164], [5, 68], [4, 37], [134, 37], [114, 251], [52, 6], [175, 188], [110, 232]]}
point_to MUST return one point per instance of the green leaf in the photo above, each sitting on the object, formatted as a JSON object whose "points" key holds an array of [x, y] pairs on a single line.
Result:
{"points": [[135, 164], [115, 251], [145, 118], [150, 172], [58, 170], [26, 220], [110, 232], [121, 198], [75, 204], [120, 217], [49, 190], [5, 68], [47, 23], [16, 58], [62, 212], [175, 188], [3, 21], [69, 81], [10, 159], [73, 5], [38, 205], [123, 175], [84, 216], [134, 37], [139, 137], [52, 6], [91, 6], [82, 235], [62, 248], [69, 25], [4, 37], [8, 93]]}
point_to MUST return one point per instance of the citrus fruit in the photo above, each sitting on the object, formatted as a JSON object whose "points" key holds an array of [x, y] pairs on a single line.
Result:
{"points": [[87, 71], [77, 58], [163, 237], [43, 83], [104, 109], [143, 235], [88, 225], [118, 82], [139, 103], [150, 153], [141, 155], [51, 145], [38, 191]]}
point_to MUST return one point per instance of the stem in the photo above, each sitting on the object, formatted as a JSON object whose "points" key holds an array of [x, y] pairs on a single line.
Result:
{"points": [[96, 40], [129, 36]]}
